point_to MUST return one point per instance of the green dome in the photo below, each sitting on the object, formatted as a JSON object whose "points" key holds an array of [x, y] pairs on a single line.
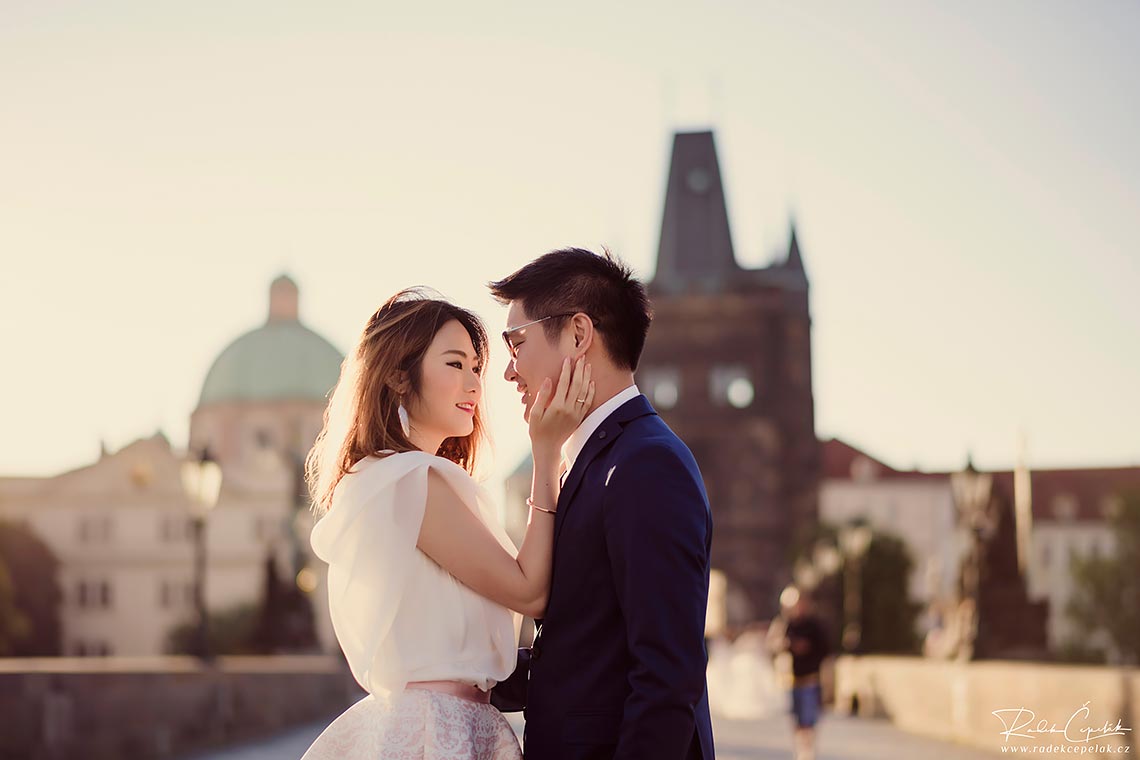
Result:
{"points": [[283, 360], [279, 361]]}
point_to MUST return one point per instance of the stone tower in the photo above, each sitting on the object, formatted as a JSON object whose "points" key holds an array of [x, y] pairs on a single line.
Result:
{"points": [[727, 364]]}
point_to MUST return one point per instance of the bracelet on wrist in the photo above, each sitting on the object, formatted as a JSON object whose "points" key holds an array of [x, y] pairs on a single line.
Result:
{"points": [[530, 503]]}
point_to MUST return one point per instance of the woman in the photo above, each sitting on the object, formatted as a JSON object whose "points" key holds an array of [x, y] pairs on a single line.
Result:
{"points": [[422, 579]]}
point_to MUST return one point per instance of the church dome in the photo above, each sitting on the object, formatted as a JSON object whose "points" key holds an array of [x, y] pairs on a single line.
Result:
{"points": [[281, 360]]}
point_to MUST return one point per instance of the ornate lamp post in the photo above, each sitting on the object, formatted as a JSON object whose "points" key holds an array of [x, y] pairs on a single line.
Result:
{"points": [[827, 559], [972, 492], [287, 619], [202, 482], [854, 540]]}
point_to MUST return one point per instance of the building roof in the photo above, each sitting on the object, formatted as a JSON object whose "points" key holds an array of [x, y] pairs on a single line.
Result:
{"points": [[144, 473], [1089, 494], [1077, 494], [281, 360], [842, 461]]}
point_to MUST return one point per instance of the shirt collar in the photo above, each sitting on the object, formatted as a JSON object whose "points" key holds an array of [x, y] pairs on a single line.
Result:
{"points": [[577, 441]]}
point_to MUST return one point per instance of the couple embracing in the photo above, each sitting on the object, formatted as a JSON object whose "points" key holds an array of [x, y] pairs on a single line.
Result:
{"points": [[425, 588]]}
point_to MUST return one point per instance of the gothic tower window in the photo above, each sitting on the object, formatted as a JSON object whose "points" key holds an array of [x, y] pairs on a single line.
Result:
{"points": [[663, 386], [731, 385]]}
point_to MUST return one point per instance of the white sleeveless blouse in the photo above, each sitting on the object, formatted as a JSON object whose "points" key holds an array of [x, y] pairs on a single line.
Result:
{"points": [[399, 616]]}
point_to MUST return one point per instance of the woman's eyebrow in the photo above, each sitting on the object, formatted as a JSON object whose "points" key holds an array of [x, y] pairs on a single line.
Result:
{"points": [[455, 351]]}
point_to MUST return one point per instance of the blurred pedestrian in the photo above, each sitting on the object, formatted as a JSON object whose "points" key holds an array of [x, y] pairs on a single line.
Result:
{"points": [[806, 640]]}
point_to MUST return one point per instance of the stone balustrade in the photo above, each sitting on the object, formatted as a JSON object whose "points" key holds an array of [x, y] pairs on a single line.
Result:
{"points": [[1053, 705], [120, 708]]}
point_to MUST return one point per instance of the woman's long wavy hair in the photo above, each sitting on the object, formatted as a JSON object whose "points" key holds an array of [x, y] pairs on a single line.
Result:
{"points": [[361, 419]]}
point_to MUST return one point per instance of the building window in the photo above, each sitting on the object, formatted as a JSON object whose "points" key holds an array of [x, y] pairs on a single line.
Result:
{"points": [[731, 385], [93, 595], [175, 528], [95, 529], [263, 438], [83, 648], [175, 594], [663, 386]]}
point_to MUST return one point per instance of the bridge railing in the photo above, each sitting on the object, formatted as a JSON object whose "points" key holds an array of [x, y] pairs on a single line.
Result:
{"points": [[160, 707], [988, 704]]}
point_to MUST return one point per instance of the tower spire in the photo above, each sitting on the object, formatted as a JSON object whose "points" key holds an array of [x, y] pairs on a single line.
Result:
{"points": [[794, 261], [696, 244]]}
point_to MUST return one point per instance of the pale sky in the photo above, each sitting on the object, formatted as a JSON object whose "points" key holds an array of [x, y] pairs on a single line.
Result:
{"points": [[965, 178]]}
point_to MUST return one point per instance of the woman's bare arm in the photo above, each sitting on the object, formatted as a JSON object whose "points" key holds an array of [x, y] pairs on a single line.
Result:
{"points": [[459, 543], [454, 537]]}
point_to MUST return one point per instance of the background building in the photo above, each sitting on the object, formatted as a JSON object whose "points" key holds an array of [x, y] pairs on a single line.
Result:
{"points": [[727, 365], [1069, 508], [120, 527], [916, 507]]}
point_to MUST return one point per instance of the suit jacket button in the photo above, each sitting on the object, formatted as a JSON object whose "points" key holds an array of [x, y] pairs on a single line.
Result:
{"points": [[602, 434]]}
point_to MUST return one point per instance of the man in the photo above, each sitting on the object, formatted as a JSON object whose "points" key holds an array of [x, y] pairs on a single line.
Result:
{"points": [[617, 669], [805, 637]]}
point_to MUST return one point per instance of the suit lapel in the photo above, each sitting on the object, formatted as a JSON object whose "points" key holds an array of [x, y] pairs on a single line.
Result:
{"points": [[605, 435]]}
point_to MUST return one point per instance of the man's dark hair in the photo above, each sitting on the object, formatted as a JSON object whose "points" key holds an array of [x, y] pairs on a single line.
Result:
{"points": [[575, 280]]}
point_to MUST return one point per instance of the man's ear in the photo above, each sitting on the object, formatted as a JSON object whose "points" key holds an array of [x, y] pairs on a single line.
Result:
{"points": [[583, 331]]}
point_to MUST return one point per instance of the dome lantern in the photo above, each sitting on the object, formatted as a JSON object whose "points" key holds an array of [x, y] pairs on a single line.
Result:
{"points": [[283, 300]]}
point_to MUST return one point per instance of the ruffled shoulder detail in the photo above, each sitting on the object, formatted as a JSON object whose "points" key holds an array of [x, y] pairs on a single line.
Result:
{"points": [[368, 538]]}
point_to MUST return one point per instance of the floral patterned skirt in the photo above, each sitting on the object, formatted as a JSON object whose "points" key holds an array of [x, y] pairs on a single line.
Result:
{"points": [[418, 725]]}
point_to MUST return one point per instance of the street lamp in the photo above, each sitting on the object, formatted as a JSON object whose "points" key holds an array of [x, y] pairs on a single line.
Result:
{"points": [[854, 541], [806, 575], [202, 482], [972, 498], [827, 558]]}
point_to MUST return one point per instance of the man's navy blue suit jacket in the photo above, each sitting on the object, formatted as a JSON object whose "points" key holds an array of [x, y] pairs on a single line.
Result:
{"points": [[618, 668]]}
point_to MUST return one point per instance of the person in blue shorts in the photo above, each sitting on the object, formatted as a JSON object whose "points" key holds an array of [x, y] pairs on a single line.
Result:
{"points": [[806, 639]]}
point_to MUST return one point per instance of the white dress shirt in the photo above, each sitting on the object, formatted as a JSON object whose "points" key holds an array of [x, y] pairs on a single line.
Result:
{"points": [[577, 441]]}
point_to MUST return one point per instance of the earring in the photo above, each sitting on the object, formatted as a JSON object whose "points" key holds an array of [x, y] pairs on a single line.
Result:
{"points": [[402, 413]]}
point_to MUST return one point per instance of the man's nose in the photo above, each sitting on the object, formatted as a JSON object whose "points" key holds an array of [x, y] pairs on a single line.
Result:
{"points": [[509, 373]]}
